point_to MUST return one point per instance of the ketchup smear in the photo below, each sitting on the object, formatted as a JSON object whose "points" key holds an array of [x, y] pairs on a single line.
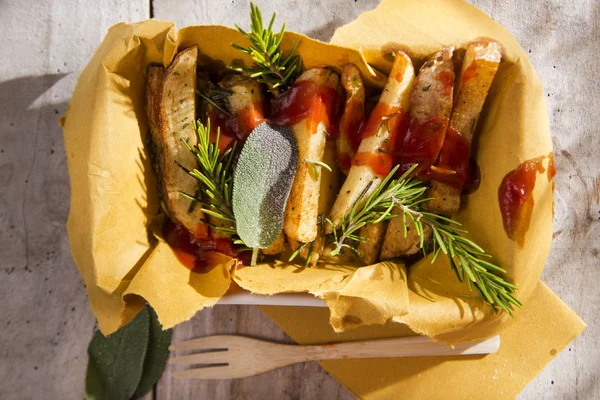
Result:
{"points": [[306, 98], [198, 255], [516, 199], [382, 161]]}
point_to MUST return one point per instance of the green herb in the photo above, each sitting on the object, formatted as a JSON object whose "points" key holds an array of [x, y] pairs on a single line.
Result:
{"points": [[298, 250], [272, 66], [214, 175], [213, 102], [466, 258], [129, 362], [315, 163], [376, 208], [262, 182]]}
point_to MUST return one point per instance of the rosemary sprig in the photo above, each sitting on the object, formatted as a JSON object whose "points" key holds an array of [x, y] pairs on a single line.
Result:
{"points": [[376, 208], [215, 177], [272, 67], [466, 258]]}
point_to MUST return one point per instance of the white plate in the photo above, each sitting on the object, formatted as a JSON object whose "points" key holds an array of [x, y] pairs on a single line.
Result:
{"points": [[282, 299]]}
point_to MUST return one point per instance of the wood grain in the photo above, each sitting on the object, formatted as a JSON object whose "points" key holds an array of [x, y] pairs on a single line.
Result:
{"points": [[46, 321]]}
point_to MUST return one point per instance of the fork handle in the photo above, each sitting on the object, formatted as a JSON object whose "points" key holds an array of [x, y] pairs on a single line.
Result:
{"points": [[414, 346]]}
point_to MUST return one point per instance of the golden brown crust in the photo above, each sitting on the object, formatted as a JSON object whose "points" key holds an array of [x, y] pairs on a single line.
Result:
{"points": [[177, 114]]}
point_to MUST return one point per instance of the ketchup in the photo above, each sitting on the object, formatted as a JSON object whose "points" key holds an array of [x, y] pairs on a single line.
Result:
{"points": [[515, 196], [306, 98], [198, 255], [453, 164], [382, 160], [237, 127], [421, 145]]}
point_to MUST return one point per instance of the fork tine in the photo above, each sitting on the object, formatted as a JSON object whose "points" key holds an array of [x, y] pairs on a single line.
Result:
{"points": [[205, 343], [212, 357], [211, 372]]}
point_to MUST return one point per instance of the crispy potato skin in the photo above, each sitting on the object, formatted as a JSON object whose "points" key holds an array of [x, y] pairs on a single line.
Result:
{"points": [[154, 81], [302, 209], [361, 178], [171, 108], [395, 244], [431, 97], [277, 247], [353, 117], [330, 184], [479, 67], [369, 249]]}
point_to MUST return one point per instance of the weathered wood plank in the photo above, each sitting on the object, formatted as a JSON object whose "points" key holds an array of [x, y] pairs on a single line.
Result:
{"points": [[45, 320]]}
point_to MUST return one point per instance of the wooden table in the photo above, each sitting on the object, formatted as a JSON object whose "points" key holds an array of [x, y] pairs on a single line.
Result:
{"points": [[45, 319]]}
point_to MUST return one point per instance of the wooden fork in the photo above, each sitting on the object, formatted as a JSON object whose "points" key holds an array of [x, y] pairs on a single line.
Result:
{"points": [[230, 357]]}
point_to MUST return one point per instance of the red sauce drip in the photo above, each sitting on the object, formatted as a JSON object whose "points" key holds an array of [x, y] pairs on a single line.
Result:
{"points": [[447, 79], [197, 255], [247, 119], [306, 98], [227, 137], [452, 166], [382, 161], [515, 196], [551, 169], [470, 72], [351, 126], [421, 144], [344, 161], [237, 127]]}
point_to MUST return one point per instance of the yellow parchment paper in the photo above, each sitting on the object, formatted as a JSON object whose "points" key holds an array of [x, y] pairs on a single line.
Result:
{"points": [[114, 194]]}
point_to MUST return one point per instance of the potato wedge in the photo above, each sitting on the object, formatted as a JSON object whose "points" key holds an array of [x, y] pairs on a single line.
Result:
{"points": [[431, 101], [177, 114], [430, 107], [369, 250], [395, 244], [352, 119], [330, 184], [246, 103], [373, 161], [302, 209], [277, 247], [479, 67], [154, 81]]}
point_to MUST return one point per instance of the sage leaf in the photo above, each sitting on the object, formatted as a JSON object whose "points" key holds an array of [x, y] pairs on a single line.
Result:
{"points": [[116, 362], [156, 356], [261, 184], [127, 364]]}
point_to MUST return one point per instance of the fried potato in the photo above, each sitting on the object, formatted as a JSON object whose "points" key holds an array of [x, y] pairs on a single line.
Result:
{"points": [[395, 244], [302, 209], [154, 81], [431, 98], [369, 249], [377, 136], [353, 117], [479, 67], [177, 114], [330, 184], [246, 102], [277, 247]]}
